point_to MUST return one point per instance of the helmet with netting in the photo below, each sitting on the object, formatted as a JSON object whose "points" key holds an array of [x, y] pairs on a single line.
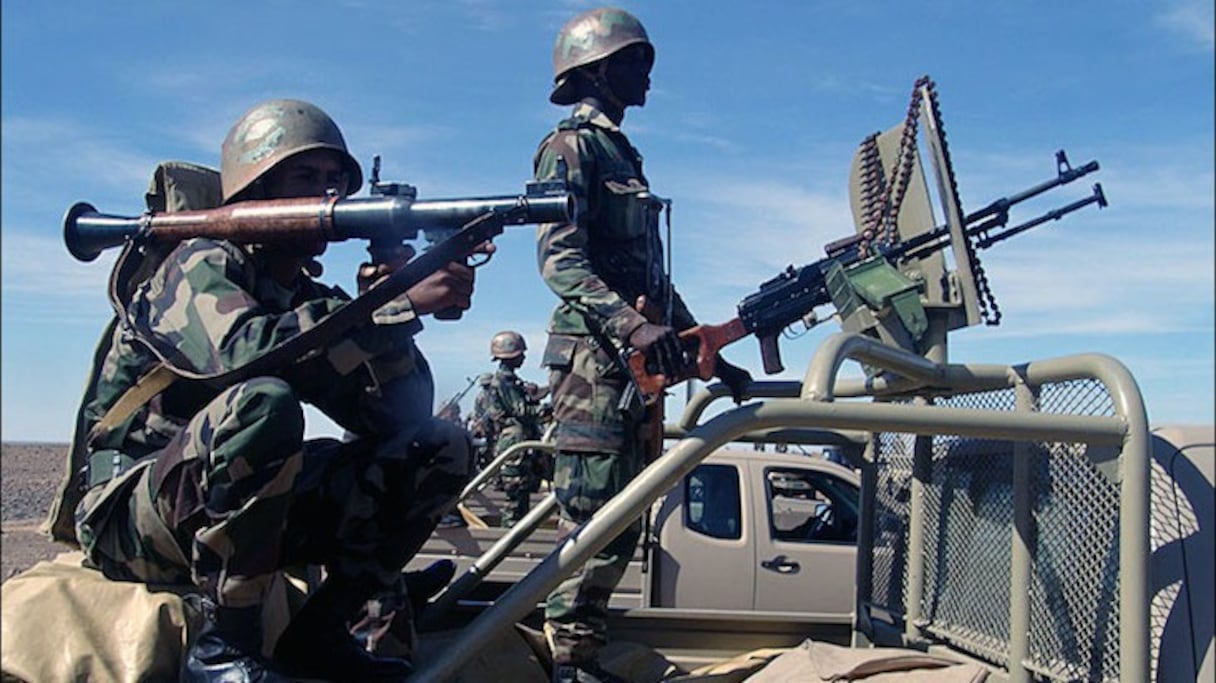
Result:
{"points": [[588, 38], [271, 132]]}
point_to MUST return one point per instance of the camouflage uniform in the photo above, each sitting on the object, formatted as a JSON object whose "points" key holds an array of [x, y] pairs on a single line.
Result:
{"points": [[219, 486], [598, 266], [511, 414]]}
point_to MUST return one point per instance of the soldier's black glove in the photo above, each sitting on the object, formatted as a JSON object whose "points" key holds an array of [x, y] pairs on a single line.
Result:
{"points": [[661, 346], [738, 380]]}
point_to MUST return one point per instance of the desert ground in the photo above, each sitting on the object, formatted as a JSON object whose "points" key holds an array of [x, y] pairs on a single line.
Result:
{"points": [[29, 475]]}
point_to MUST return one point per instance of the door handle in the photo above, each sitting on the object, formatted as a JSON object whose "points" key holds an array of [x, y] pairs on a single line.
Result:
{"points": [[782, 565]]}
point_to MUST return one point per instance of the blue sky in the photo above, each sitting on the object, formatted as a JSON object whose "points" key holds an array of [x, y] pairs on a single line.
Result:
{"points": [[755, 113]]}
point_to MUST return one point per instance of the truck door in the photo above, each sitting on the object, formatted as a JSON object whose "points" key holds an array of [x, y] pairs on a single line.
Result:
{"points": [[806, 539], [703, 559]]}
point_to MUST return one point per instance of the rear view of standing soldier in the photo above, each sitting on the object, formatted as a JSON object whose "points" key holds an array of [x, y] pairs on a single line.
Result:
{"points": [[508, 412]]}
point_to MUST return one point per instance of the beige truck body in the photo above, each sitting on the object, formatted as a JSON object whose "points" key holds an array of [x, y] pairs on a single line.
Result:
{"points": [[742, 531], [1024, 518]]}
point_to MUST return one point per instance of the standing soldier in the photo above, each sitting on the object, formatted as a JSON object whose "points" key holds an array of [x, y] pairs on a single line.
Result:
{"points": [[510, 412], [607, 269], [187, 482]]}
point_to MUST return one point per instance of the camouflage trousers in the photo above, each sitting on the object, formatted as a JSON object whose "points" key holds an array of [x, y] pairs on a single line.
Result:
{"points": [[598, 454], [576, 611], [520, 477], [238, 495]]}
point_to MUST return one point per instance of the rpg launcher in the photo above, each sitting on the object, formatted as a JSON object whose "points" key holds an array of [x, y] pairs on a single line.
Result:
{"points": [[883, 287], [465, 224], [453, 228], [380, 219]]}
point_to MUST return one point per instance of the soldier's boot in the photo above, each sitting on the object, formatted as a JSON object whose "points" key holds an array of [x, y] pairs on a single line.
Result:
{"points": [[318, 644], [229, 648], [583, 672]]}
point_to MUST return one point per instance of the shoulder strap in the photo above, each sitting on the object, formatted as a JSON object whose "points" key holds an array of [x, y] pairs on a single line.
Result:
{"points": [[152, 383]]}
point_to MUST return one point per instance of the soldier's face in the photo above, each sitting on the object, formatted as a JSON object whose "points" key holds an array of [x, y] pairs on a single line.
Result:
{"points": [[307, 174], [629, 74]]}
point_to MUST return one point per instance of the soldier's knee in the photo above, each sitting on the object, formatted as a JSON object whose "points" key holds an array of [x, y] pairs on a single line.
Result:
{"points": [[270, 398], [264, 420]]}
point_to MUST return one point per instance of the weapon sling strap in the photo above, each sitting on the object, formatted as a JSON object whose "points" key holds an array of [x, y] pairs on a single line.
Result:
{"points": [[152, 383]]}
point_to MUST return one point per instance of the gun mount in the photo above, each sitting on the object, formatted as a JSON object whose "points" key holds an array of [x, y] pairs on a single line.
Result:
{"points": [[891, 280]]}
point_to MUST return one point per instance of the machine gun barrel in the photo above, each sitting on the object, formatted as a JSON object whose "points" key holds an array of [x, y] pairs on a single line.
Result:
{"points": [[940, 237], [979, 222], [1097, 197], [87, 233], [1065, 174]]}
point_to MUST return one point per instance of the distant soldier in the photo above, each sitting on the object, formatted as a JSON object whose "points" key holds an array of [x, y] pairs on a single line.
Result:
{"points": [[607, 270], [479, 425], [509, 411]]}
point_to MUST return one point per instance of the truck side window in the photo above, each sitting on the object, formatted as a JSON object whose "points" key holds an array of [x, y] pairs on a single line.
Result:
{"points": [[806, 506], [711, 501]]}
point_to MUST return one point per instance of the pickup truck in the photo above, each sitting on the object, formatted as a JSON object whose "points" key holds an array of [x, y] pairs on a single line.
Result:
{"points": [[1027, 521], [766, 520]]}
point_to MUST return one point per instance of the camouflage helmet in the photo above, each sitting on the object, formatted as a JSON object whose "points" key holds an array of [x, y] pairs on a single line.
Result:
{"points": [[506, 345], [273, 131], [588, 38]]}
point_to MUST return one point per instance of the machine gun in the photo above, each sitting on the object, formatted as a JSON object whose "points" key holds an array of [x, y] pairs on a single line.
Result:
{"points": [[879, 286], [450, 410]]}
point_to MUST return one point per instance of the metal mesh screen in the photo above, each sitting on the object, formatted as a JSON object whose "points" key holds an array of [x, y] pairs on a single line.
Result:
{"points": [[968, 515], [968, 519], [1074, 598], [890, 533]]}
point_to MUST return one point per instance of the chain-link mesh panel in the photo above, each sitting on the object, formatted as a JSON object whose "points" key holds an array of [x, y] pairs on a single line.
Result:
{"points": [[1076, 397], [1074, 592], [968, 516], [890, 533]]}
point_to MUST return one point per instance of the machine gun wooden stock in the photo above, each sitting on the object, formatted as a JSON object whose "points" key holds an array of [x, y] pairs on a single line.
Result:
{"points": [[793, 295]]}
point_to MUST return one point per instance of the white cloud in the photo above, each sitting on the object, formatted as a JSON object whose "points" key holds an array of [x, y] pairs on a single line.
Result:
{"points": [[69, 153], [35, 265], [1191, 20]]}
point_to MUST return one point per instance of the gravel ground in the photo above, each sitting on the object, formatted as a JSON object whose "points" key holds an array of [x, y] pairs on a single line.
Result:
{"points": [[29, 475]]}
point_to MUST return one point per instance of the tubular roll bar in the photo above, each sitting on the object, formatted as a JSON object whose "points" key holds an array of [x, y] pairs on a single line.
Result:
{"points": [[812, 406]]}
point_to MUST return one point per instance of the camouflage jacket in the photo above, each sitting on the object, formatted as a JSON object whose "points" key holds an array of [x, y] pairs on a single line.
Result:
{"points": [[602, 263], [506, 410], [209, 308]]}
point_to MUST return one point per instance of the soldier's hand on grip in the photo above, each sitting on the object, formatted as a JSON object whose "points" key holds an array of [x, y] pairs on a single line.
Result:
{"points": [[450, 287], [387, 262], [661, 347], [447, 288]]}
